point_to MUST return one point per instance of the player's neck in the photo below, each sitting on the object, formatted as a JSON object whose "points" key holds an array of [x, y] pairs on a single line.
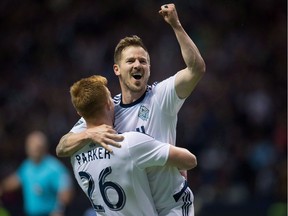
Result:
{"points": [[129, 97], [98, 120]]}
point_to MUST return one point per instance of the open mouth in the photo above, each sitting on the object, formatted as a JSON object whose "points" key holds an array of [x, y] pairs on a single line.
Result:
{"points": [[137, 76]]}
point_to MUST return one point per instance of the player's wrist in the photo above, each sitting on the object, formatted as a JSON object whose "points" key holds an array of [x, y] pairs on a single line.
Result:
{"points": [[86, 137], [177, 25]]}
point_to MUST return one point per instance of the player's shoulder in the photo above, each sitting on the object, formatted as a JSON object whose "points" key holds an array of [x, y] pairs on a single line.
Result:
{"points": [[157, 84], [26, 164], [137, 137]]}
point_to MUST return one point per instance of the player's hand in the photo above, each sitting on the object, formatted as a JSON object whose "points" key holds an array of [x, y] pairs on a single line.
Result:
{"points": [[105, 135], [169, 13]]}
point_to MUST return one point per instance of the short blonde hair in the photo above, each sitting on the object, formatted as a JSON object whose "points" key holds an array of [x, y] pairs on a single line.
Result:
{"points": [[89, 95], [133, 40]]}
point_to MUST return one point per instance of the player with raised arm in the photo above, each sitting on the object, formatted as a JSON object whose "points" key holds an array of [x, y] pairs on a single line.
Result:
{"points": [[116, 183], [151, 109]]}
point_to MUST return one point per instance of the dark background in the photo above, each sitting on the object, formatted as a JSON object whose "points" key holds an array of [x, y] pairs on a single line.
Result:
{"points": [[235, 121]]}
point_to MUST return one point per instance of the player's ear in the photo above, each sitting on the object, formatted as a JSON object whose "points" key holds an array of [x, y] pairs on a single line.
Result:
{"points": [[116, 69], [79, 113]]}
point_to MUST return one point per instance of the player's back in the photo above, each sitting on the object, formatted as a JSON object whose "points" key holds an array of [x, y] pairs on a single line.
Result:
{"points": [[116, 183]]}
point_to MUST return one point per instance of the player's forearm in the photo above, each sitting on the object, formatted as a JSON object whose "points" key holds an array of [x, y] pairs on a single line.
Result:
{"points": [[189, 161], [189, 50], [70, 143], [181, 158]]}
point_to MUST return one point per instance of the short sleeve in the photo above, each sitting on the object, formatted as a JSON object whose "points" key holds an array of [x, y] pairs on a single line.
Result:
{"points": [[146, 151], [166, 96]]}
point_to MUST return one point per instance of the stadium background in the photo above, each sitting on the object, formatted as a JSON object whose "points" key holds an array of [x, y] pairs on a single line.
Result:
{"points": [[235, 121]]}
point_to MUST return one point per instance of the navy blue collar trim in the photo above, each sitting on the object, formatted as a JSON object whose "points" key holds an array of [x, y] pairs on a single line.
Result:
{"points": [[133, 103]]}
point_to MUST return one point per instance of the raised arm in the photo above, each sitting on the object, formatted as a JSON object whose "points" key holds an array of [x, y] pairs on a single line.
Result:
{"points": [[72, 142], [186, 79]]}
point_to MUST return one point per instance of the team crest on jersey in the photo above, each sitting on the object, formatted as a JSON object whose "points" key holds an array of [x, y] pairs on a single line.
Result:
{"points": [[143, 113]]}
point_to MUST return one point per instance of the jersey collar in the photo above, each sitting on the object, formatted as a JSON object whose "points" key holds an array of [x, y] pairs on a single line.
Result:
{"points": [[133, 103]]}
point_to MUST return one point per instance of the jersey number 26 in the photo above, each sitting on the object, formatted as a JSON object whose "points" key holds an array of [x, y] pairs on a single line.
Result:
{"points": [[104, 186]]}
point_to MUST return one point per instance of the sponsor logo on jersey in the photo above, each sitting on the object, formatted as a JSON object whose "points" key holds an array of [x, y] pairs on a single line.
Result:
{"points": [[143, 113]]}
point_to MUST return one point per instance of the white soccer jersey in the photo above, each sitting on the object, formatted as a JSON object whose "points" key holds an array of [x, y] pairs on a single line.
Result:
{"points": [[155, 113], [116, 183]]}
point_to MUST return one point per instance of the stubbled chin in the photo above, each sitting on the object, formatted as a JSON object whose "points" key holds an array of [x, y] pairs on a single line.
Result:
{"points": [[137, 86], [137, 82]]}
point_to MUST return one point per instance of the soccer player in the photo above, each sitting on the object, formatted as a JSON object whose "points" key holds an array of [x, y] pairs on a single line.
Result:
{"points": [[116, 183], [150, 109]]}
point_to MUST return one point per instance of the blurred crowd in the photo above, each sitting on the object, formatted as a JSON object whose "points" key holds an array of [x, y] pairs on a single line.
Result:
{"points": [[235, 121]]}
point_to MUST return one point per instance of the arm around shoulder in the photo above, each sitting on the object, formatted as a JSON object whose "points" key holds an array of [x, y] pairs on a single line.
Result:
{"points": [[70, 143], [104, 135]]}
